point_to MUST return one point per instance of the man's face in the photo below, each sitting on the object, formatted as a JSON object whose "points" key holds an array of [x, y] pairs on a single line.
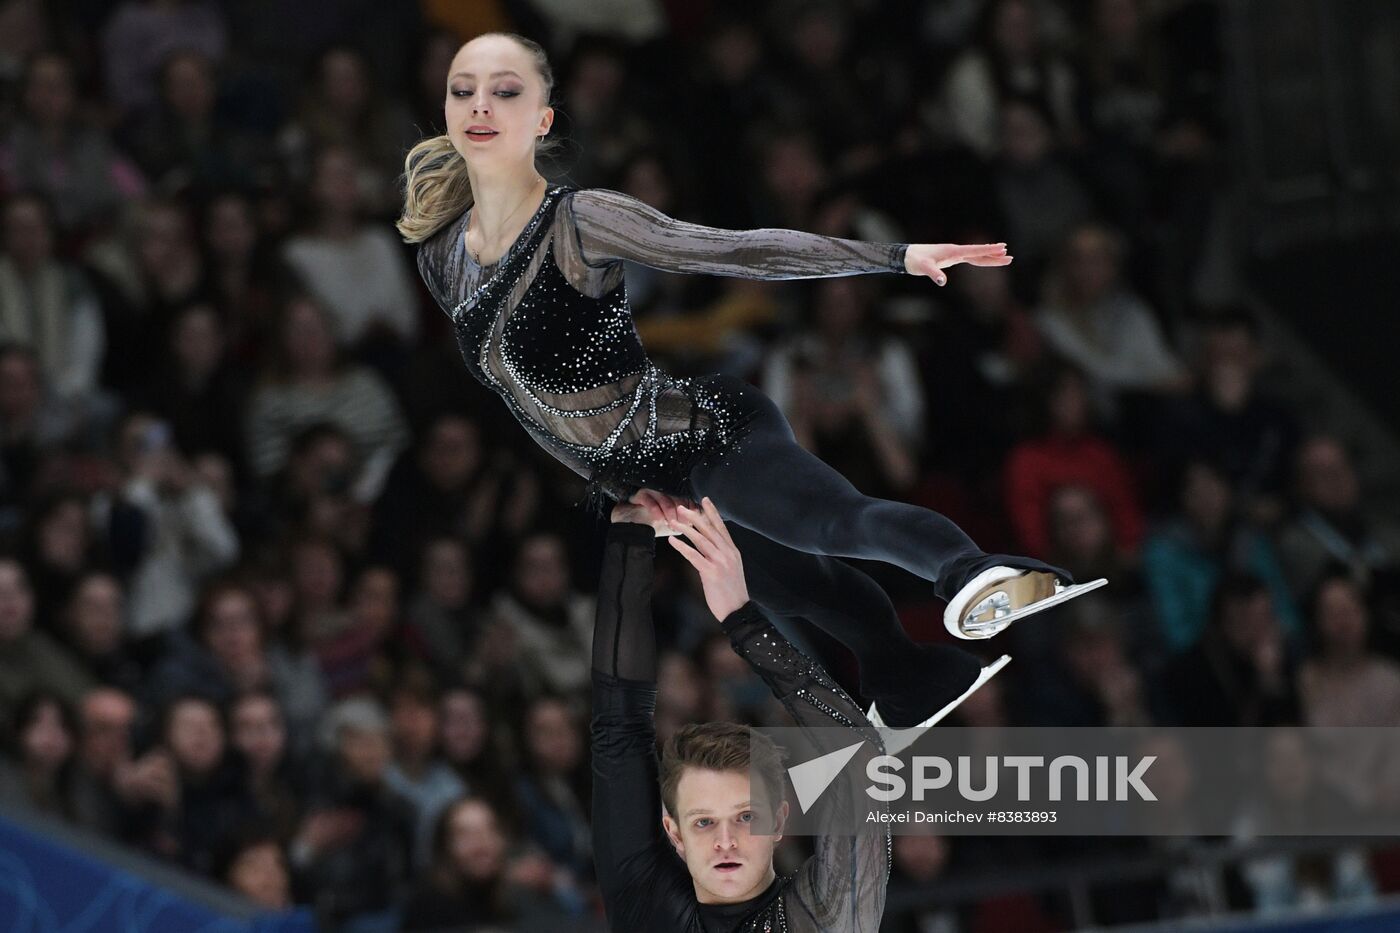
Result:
{"points": [[712, 832], [105, 737], [16, 602]]}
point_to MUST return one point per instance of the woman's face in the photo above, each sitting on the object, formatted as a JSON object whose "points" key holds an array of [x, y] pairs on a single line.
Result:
{"points": [[307, 339], [231, 230], [1341, 619], [494, 88], [196, 737], [259, 732], [475, 841], [197, 340], [452, 453], [336, 183], [46, 740], [464, 729], [1078, 523], [374, 601], [553, 740], [447, 575], [96, 615], [164, 240], [542, 572], [63, 536], [234, 634]]}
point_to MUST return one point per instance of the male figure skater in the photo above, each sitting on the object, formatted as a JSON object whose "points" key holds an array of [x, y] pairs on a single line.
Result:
{"points": [[702, 805]]}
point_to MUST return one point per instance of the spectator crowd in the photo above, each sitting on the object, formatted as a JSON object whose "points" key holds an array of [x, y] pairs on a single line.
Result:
{"points": [[288, 600]]}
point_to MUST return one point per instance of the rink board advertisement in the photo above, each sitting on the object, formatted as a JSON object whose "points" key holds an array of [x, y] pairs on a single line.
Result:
{"points": [[1134, 781]]}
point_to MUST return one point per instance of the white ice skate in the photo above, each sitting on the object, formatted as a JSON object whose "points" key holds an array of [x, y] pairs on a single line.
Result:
{"points": [[995, 598], [897, 740]]}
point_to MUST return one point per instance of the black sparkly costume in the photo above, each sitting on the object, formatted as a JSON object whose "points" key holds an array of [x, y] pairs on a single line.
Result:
{"points": [[646, 887], [548, 328]]}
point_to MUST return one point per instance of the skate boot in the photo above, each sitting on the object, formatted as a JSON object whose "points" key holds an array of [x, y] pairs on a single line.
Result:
{"points": [[995, 598]]}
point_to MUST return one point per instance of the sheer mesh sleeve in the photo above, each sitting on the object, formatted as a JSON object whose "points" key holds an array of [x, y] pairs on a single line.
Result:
{"points": [[613, 226], [842, 886], [645, 885]]}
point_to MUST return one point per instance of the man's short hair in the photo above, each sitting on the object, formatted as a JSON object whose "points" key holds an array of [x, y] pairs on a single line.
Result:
{"points": [[721, 746]]}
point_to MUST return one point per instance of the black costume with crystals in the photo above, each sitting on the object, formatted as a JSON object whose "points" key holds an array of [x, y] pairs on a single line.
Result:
{"points": [[646, 887], [548, 328]]}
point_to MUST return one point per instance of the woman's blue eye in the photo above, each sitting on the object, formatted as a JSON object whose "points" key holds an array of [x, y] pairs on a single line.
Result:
{"points": [[746, 817], [507, 93]]}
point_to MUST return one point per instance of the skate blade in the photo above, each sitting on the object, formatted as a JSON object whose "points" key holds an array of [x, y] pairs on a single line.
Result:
{"points": [[1015, 605], [897, 740]]}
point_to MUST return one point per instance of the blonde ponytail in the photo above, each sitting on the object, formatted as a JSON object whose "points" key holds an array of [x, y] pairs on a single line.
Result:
{"points": [[437, 188]]}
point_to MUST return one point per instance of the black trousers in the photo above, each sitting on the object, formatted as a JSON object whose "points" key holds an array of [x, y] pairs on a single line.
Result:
{"points": [[792, 515]]}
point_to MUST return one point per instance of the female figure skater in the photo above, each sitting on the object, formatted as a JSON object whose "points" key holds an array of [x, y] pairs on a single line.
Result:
{"points": [[531, 276]]}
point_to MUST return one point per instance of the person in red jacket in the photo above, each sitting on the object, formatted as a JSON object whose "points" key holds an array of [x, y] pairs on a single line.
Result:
{"points": [[1069, 453]]}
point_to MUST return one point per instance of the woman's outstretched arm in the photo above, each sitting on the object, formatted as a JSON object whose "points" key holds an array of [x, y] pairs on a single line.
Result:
{"points": [[613, 226]]}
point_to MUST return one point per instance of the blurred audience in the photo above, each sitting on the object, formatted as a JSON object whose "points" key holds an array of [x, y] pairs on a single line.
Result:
{"points": [[1240, 673], [289, 600], [1185, 558], [1069, 452], [1094, 318], [853, 398]]}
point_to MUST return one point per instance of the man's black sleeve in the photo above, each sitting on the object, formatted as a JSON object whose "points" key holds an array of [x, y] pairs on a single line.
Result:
{"points": [[645, 885]]}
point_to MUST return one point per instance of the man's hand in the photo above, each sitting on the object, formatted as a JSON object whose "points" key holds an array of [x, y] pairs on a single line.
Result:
{"points": [[649, 507], [714, 556], [152, 778], [931, 259]]}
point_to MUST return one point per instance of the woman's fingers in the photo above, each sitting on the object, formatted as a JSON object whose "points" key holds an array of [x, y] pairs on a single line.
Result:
{"points": [[660, 503], [979, 249], [668, 506]]}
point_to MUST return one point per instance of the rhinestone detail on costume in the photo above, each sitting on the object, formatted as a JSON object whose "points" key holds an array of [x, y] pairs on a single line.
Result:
{"points": [[511, 351]]}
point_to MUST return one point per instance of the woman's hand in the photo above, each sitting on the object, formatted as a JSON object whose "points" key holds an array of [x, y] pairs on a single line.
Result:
{"points": [[931, 259], [714, 556], [649, 507]]}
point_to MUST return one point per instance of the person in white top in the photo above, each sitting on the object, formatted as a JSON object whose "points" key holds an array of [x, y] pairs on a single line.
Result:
{"points": [[354, 268]]}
